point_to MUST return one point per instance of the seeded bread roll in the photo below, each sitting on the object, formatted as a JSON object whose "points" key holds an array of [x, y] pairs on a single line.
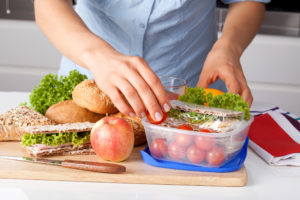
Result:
{"points": [[87, 95], [137, 126], [69, 112], [12, 122]]}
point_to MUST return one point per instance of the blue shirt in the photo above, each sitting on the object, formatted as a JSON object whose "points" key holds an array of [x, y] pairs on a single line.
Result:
{"points": [[173, 36]]}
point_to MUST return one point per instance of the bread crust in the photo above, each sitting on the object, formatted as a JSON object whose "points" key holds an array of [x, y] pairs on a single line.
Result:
{"points": [[59, 128], [88, 95], [137, 126], [10, 133], [13, 121], [85, 149], [69, 112]]}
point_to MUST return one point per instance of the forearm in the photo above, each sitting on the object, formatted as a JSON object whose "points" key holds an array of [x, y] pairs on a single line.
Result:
{"points": [[241, 25], [67, 31]]}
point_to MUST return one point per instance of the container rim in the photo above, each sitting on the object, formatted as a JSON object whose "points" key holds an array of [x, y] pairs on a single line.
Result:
{"points": [[145, 123]]}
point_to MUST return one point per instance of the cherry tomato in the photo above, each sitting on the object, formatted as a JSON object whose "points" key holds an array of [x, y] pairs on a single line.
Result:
{"points": [[184, 140], [205, 130], [185, 127], [165, 115], [204, 142], [175, 151], [158, 147], [194, 154], [215, 156]]}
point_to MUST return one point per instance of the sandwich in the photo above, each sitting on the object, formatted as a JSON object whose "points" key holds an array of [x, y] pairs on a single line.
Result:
{"points": [[203, 117], [14, 120], [60, 139]]}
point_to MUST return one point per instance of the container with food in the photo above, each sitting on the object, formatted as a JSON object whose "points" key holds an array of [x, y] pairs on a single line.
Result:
{"points": [[198, 135]]}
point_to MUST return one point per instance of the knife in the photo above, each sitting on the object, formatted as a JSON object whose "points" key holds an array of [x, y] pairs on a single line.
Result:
{"points": [[74, 164]]}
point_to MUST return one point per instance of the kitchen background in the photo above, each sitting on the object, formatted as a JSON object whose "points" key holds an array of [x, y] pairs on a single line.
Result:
{"points": [[271, 63]]}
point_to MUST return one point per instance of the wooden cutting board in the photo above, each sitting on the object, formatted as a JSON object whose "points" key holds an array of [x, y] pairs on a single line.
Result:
{"points": [[137, 171]]}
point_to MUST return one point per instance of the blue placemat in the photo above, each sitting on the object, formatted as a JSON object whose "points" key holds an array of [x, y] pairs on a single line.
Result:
{"points": [[233, 165]]}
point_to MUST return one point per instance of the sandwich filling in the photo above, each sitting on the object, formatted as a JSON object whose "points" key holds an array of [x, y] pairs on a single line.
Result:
{"points": [[199, 118], [202, 117], [55, 139]]}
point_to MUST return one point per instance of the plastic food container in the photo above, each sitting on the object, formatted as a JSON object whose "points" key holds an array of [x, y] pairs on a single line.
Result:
{"points": [[194, 147]]}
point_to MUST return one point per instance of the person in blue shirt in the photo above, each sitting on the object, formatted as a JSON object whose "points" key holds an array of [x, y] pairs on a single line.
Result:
{"points": [[125, 44]]}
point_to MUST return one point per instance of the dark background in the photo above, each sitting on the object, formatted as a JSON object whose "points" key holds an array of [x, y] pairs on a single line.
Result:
{"points": [[276, 5]]}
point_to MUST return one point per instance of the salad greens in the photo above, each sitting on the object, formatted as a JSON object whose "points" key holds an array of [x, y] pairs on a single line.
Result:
{"points": [[191, 117], [54, 139], [226, 101], [52, 90]]}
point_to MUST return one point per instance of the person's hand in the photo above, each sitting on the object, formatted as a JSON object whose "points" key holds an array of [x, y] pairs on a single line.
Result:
{"points": [[130, 83], [224, 62]]}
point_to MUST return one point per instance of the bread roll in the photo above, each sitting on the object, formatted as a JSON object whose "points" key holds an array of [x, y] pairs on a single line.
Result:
{"points": [[138, 128], [12, 122], [69, 112], [87, 95]]}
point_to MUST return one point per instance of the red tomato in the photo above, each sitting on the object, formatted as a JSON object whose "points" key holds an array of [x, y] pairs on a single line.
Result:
{"points": [[158, 147], [175, 151], [215, 156], [205, 130], [204, 142], [194, 154], [165, 115], [184, 140], [185, 127]]}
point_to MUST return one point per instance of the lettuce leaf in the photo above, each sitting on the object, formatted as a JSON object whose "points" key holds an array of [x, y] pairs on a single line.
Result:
{"points": [[54, 139], [226, 100], [52, 90]]}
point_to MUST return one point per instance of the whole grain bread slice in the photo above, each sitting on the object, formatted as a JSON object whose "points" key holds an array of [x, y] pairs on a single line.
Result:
{"points": [[14, 120], [190, 107], [59, 128]]}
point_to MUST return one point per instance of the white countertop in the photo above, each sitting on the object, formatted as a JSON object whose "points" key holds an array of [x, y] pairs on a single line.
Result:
{"points": [[264, 182]]}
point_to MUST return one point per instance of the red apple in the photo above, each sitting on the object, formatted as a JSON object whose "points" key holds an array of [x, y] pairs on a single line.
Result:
{"points": [[112, 139]]}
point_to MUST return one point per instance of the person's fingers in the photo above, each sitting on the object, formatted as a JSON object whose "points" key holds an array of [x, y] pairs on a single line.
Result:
{"points": [[154, 82], [130, 94], [237, 84], [205, 80], [118, 100], [247, 95], [145, 93]]}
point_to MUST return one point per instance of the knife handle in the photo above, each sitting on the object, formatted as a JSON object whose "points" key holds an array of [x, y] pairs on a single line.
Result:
{"points": [[94, 166]]}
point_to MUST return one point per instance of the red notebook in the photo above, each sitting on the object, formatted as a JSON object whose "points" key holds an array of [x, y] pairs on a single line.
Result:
{"points": [[276, 138]]}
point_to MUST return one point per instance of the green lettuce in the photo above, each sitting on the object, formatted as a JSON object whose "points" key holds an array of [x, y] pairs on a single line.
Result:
{"points": [[54, 139], [191, 117], [52, 90], [226, 100]]}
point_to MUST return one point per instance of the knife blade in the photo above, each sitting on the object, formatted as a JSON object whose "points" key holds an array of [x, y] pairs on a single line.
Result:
{"points": [[74, 164]]}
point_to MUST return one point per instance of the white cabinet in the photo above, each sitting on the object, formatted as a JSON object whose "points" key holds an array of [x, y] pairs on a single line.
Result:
{"points": [[26, 55], [272, 67]]}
